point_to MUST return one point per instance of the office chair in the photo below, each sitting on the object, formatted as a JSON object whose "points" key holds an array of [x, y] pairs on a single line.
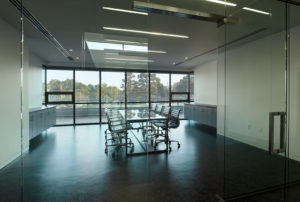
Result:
{"points": [[118, 131], [172, 122]]}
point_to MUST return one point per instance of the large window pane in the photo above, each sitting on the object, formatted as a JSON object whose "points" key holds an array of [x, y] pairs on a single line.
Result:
{"points": [[87, 113], [112, 87], [86, 86], [59, 80], [159, 87], [112, 92], [137, 87], [179, 82], [64, 114]]}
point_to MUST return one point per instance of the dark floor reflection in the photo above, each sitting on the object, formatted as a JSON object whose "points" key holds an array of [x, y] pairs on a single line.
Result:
{"points": [[69, 164]]}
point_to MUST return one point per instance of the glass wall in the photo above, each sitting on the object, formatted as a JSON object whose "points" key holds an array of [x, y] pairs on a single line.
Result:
{"points": [[119, 90], [254, 62]]}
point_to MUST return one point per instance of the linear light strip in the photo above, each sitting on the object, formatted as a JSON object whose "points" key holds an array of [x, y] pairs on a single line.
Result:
{"points": [[120, 41], [130, 60], [124, 10], [257, 11], [156, 51], [222, 2], [146, 32]]}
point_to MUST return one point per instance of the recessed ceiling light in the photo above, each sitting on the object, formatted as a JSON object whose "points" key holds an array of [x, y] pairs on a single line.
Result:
{"points": [[222, 2], [120, 41], [101, 46], [174, 63], [124, 10], [156, 51], [128, 59], [257, 11], [71, 50], [77, 58], [146, 32], [186, 58], [111, 53]]}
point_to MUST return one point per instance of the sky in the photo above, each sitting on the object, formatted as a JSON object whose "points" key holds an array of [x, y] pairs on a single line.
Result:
{"points": [[110, 78]]}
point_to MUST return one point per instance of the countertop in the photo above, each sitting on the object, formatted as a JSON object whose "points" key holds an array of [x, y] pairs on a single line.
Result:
{"points": [[202, 105], [39, 108]]}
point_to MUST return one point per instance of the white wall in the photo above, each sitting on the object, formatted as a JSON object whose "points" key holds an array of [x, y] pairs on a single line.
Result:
{"points": [[10, 102], [34, 80], [10, 91], [205, 83]]}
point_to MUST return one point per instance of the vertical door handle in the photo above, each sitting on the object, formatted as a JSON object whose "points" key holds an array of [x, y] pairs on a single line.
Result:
{"points": [[272, 115]]}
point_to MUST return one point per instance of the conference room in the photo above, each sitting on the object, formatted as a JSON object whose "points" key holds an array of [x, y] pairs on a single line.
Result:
{"points": [[147, 100]]}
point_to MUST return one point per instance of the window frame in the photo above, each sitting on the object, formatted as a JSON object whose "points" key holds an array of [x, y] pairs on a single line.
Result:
{"points": [[125, 102]]}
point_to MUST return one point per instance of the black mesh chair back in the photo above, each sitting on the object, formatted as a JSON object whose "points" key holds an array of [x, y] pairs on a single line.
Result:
{"points": [[174, 118]]}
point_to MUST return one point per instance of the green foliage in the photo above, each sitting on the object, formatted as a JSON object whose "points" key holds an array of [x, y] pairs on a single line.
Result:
{"points": [[137, 89]]}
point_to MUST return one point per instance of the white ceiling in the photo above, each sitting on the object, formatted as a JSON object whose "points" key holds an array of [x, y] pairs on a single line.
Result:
{"points": [[68, 20]]}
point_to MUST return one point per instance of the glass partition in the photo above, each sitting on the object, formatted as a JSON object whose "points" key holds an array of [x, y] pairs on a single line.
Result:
{"points": [[255, 98]]}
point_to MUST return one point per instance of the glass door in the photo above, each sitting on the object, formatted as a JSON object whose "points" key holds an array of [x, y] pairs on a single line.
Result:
{"points": [[253, 58], [293, 154]]}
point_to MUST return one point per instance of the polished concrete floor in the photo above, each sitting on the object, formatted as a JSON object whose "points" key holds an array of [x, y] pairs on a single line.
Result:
{"points": [[69, 164]]}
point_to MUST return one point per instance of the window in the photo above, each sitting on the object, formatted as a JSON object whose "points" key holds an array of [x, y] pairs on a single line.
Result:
{"points": [[180, 82], [137, 87], [87, 86], [159, 87], [60, 81], [81, 96], [112, 91], [60, 93]]}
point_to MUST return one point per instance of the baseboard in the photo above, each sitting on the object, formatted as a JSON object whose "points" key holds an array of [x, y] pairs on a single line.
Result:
{"points": [[12, 159]]}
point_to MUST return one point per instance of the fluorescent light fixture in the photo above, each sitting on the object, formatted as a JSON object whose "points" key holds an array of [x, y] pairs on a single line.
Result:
{"points": [[156, 51], [101, 46], [135, 48], [222, 2], [128, 59], [257, 11], [111, 53], [124, 10], [119, 41], [146, 32]]}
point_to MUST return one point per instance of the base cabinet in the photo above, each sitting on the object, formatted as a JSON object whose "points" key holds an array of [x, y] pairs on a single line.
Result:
{"points": [[40, 119], [204, 114]]}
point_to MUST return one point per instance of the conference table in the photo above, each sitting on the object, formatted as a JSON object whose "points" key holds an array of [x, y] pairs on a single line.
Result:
{"points": [[136, 120]]}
